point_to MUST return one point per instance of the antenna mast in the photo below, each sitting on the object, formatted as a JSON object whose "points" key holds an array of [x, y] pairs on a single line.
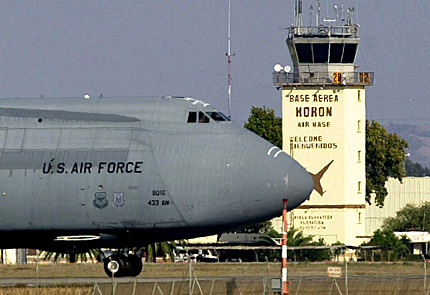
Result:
{"points": [[298, 9], [229, 60], [318, 13]]}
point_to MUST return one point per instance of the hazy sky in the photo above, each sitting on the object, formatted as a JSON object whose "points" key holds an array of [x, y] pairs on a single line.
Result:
{"points": [[128, 48]]}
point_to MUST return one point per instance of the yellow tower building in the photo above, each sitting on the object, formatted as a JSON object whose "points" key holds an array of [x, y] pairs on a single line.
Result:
{"points": [[324, 124]]}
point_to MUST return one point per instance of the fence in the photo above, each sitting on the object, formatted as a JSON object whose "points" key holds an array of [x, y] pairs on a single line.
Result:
{"points": [[404, 285]]}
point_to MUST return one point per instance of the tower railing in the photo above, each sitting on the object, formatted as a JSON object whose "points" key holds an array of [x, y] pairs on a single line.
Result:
{"points": [[323, 78], [324, 31]]}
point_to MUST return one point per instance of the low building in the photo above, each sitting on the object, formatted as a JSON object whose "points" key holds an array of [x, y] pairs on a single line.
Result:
{"points": [[412, 190], [13, 256], [419, 241]]}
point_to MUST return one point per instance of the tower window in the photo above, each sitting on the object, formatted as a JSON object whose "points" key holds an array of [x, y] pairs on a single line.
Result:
{"points": [[359, 126], [359, 96], [359, 187], [321, 53], [326, 53], [359, 156], [304, 52], [349, 53], [336, 51]]}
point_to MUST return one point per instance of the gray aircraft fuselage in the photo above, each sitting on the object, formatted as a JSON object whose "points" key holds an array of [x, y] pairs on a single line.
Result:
{"points": [[81, 173]]}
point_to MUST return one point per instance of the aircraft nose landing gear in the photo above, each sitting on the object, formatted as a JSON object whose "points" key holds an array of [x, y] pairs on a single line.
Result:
{"points": [[123, 265]]}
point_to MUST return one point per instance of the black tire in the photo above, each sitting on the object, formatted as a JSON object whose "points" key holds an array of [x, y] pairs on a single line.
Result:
{"points": [[136, 265]]}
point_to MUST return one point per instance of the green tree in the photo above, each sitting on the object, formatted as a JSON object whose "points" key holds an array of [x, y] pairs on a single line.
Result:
{"points": [[320, 254], [152, 251], [415, 169], [161, 249], [392, 247], [91, 254], [385, 157], [410, 218], [294, 238], [263, 122], [339, 251]]}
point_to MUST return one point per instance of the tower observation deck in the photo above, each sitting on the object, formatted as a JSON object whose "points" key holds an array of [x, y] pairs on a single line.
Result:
{"points": [[323, 54]]}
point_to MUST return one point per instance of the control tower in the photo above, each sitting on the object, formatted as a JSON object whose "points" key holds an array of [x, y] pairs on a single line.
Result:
{"points": [[324, 122]]}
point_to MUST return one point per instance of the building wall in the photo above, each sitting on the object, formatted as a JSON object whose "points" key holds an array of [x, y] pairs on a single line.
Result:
{"points": [[9, 256], [412, 190], [321, 126]]}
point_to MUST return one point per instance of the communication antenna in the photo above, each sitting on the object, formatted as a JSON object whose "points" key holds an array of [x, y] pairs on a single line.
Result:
{"points": [[328, 4], [311, 10], [336, 9], [318, 13], [300, 13], [295, 14], [229, 59], [342, 10], [298, 9], [350, 12], [356, 7]]}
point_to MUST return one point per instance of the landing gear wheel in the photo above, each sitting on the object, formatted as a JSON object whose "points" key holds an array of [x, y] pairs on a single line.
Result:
{"points": [[115, 265], [135, 265]]}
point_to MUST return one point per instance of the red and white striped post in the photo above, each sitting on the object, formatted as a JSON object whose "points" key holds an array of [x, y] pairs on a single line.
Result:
{"points": [[284, 249]]}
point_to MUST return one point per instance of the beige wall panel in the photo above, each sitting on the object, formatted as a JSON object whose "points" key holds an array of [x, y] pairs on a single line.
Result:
{"points": [[320, 126]]}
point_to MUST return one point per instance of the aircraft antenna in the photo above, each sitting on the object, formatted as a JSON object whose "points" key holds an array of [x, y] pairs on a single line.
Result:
{"points": [[229, 55]]}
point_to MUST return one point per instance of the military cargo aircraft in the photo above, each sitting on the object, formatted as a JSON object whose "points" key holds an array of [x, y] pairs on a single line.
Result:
{"points": [[81, 173]]}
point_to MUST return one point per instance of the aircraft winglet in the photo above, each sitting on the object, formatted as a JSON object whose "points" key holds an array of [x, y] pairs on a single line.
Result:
{"points": [[317, 178]]}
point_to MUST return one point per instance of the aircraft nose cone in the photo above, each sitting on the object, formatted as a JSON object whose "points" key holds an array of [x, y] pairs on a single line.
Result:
{"points": [[300, 185], [276, 177], [290, 180]]}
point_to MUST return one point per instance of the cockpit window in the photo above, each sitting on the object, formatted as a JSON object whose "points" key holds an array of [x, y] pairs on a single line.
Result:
{"points": [[192, 117], [203, 118], [226, 118], [217, 116]]}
